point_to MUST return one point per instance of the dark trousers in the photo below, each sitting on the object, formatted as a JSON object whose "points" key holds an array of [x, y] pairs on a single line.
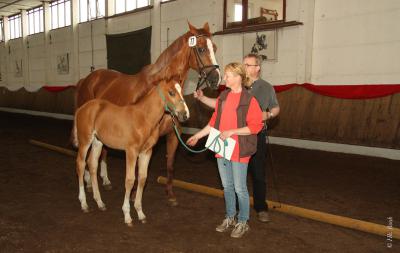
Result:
{"points": [[257, 169]]}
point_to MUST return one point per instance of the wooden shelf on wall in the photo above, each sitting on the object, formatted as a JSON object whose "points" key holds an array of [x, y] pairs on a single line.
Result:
{"points": [[261, 27]]}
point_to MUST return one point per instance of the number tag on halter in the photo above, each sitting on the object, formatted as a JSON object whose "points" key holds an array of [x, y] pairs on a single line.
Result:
{"points": [[192, 41]]}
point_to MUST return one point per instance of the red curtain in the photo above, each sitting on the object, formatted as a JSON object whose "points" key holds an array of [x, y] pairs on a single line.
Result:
{"points": [[363, 91], [57, 88]]}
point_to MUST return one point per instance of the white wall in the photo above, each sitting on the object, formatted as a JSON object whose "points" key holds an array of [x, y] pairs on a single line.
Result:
{"points": [[36, 60], [14, 56], [356, 42], [92, 46], [341, 42]]}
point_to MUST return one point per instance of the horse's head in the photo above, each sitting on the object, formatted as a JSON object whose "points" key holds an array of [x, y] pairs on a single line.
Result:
{"points": [[171, 94], [202, 56]]}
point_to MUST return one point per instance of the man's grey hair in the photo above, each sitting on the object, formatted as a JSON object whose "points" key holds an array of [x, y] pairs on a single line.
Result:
{"points": [[255, 56]]}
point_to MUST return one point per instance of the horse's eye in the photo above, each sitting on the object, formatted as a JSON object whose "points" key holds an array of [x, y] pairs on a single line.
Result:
{"points": [[171, 93], [202, 50]]}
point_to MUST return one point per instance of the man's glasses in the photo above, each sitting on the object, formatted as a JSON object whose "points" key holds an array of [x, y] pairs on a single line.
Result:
{"points": [[250, 65]]}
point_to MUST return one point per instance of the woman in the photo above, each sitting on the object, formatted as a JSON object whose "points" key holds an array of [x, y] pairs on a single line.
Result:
{"points": [[237, 115]]}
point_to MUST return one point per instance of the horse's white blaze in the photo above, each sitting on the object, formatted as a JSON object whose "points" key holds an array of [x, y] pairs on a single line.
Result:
{"points": [[211, 50], [179, 89], [212, 56]]}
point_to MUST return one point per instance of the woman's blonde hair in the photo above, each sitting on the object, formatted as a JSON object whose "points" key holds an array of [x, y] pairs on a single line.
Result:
{"points": [[238, 69]]}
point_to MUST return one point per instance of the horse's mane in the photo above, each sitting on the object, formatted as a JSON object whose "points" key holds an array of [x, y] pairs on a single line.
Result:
{"points": [[160, 69], [166, 57]]}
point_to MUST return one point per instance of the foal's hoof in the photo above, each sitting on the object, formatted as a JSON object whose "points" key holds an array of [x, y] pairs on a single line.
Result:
{"points": [[144, 221], [102, 208], [85, 210], [108, 187], [172, 202], [129, 224]]}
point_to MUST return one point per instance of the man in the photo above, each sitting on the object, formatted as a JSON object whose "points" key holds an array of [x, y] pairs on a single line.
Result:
{"points": [[266, 97]]}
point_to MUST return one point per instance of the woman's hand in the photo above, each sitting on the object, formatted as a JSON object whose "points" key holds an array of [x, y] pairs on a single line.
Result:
{"points": [[198, 94], [226, 134], [192, 140]]}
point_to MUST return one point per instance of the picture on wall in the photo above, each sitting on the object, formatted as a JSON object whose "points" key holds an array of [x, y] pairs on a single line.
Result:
{"points": [[261, 43], [18, 68], [63, 64]]}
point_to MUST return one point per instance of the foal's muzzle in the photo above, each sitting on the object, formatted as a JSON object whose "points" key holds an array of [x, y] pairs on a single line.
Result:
{"points": [[182, 116]]}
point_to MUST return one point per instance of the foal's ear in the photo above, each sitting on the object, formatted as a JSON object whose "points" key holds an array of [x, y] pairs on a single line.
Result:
{"points": [[192, 29]]}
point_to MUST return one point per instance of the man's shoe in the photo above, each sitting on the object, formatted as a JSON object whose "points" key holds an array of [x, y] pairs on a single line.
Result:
{"points": [[263, 216], [226, 223], [240, 229]]}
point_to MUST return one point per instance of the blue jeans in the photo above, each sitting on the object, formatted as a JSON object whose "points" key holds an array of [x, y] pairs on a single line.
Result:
{"points": [[233, 176]]}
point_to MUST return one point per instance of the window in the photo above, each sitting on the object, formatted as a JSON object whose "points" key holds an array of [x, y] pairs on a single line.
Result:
{"points": [[35, 20], [91, 9], [244, 13], [1, 30], [15, 26], [128, 5], [60, 12]]}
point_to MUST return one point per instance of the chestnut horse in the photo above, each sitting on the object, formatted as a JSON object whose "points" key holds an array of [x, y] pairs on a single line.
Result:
{"points": [[135, 129], [193, 50]]}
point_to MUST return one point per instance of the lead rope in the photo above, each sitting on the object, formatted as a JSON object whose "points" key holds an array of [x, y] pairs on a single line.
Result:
{"points": [[214, 144]]}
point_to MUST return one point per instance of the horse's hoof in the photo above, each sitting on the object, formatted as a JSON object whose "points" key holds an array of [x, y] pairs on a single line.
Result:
{"points": [[85, 210], [129, 224], [89, 189], [102, 208], [144, 221], [108, 187], [172, 202]]}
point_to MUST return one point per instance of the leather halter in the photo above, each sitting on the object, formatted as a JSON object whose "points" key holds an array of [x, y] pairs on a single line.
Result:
{"points": [[202, 67]]}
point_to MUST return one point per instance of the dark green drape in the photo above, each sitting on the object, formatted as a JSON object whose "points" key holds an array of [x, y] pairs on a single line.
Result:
{"points": [[129, 52]]}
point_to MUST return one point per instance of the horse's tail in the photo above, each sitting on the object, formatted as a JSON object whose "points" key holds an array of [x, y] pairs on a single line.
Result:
{"points": [[73, 139], [77, 88]]}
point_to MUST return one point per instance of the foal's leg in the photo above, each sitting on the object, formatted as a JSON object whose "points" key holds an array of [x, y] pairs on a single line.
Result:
{"points": [[103, 173], [80, 168], [103, 170], [172, 144], [144, 159], [131, 157], [93, 163], [88, 181]]}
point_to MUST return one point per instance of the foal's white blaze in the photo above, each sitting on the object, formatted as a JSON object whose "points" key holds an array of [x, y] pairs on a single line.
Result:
{"points": [[212, 56], [179, 89]]}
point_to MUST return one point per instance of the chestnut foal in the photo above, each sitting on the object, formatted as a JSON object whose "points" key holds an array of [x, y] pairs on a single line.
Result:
{"points": [[133, 128]]}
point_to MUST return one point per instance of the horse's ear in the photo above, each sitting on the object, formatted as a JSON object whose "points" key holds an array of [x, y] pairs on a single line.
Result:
{"points": [[206, 27], [192, 29]]}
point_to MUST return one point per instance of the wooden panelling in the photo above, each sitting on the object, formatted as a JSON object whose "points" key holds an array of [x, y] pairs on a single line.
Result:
{"points": [[42, 100], [369, 122], [304, 115]]}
